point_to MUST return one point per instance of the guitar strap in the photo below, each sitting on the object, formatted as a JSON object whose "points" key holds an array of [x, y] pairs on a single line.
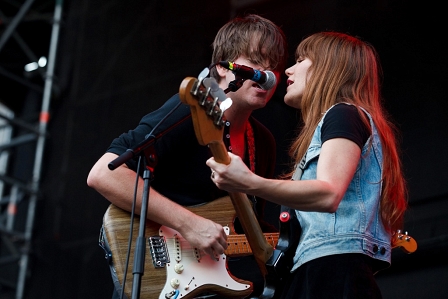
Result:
{"points": [[297, 175], [105, 245], [292, 230]]}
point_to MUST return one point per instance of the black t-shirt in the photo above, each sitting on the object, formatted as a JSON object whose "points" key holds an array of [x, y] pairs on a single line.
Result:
{"points": [[180, 172], [344, 121]]}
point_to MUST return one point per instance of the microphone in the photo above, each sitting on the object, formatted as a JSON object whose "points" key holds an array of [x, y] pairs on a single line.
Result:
{"points": [[266, 79]]}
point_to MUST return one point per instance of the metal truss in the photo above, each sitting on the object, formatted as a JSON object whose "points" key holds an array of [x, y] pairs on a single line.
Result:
{"points": [[19, 45]]}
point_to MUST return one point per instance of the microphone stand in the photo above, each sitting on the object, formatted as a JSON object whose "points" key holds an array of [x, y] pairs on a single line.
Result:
{"points": [[140, 247]]}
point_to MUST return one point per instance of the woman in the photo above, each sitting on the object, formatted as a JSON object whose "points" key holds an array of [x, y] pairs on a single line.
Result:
{"points": [[347, 185]]}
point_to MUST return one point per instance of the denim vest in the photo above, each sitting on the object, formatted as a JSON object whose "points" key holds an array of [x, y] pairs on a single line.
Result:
{"points": [[356, 226]]}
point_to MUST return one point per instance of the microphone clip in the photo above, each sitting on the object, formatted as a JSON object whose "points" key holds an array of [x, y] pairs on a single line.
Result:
{"points": [[235, 84]]}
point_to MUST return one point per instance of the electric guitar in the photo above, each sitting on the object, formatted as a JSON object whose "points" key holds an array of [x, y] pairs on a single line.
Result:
{"points": [[207, 104], [172, 267]]}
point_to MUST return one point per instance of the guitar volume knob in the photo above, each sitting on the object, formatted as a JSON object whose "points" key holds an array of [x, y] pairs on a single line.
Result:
{"points": [[179, 268], [174, 283]]}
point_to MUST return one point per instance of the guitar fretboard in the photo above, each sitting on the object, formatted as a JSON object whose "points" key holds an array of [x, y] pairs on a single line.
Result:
{"points": [[239, 246]]}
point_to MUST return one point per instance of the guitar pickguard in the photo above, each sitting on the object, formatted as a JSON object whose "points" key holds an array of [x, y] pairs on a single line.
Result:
{"points": [[187, 270]]}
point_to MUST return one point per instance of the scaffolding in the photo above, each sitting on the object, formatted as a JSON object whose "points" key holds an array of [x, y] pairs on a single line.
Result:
{"points": [[18, 196]]}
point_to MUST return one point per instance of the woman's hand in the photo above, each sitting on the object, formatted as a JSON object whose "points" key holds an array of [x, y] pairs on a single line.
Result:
{"points": [[232, 177]]}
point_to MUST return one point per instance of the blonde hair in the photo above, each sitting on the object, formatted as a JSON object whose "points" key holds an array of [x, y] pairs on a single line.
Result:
{"points": [[346, 69]]}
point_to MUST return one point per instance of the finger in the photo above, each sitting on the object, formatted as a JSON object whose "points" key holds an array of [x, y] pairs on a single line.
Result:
{"points": [[210, 161], [218, 250], [224, 245], [214, 253]]}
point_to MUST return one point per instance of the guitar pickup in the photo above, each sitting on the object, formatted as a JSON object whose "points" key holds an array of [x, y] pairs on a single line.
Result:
{"points": [[159, 251]]}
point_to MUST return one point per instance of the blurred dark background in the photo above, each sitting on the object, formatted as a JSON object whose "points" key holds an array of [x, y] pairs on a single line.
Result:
{"points": [[114, 61]]}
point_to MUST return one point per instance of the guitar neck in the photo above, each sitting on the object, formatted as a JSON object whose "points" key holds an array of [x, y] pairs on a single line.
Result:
{"points": [[262, 250], [239, 246], [204, 96]]}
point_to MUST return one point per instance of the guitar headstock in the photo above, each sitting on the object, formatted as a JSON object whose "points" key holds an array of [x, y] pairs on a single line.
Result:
{"points": [[207, 103], [406, 242]]}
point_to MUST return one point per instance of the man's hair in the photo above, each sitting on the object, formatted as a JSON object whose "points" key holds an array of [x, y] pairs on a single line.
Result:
{"points": [[258, 39]]}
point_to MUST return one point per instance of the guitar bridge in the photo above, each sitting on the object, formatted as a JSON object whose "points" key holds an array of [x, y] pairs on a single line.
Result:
{"points": [[159, 251]]}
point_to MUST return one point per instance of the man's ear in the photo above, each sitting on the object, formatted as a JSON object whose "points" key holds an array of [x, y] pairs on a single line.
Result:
{"points": [[221, 71]]}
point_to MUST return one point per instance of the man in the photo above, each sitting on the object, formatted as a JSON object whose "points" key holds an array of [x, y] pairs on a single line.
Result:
{"points": [[181, 177]]}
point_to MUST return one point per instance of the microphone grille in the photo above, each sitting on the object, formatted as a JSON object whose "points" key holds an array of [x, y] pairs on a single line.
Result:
{"points": [[270, 80]]}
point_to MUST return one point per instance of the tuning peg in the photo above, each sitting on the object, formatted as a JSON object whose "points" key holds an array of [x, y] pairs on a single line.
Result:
{"points": [[225, 104], [203, 74]]}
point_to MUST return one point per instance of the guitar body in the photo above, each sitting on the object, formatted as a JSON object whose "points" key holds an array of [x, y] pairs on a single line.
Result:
{"points": [[170, 260]]}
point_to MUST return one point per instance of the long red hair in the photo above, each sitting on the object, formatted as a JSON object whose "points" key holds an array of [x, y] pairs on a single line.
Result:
{"points": [[347, 69]]}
